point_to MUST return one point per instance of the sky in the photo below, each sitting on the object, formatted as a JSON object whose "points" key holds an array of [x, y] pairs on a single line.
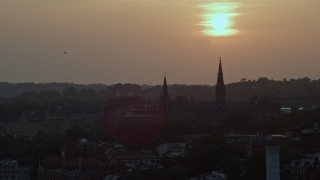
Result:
{"points": [[138, 41]]}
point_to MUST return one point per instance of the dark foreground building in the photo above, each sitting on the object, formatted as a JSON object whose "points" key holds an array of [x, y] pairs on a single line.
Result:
{"points": [[134, 108]]}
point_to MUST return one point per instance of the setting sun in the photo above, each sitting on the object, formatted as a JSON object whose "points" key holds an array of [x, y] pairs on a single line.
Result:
{"points": [[220, 21], [218, 18]]}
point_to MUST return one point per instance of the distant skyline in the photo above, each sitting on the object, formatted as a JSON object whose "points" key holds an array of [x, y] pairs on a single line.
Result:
{"points": [[138, 41]]}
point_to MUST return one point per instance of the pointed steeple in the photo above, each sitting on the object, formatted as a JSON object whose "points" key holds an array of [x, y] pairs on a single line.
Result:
{"points": [[165, 87], [220, 88], [220, 80], [165, 100], [220, 66]]}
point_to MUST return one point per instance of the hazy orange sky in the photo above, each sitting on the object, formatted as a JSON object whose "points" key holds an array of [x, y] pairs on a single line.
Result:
{"points": [[135, 41]]}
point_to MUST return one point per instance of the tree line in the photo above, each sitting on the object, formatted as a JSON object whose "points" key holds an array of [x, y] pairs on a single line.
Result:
{"points": [[237, 91]]}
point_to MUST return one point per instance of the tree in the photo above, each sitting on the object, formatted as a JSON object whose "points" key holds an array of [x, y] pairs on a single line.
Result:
{"points": [[141, 174], [288, 154], [87, 94], [138, 134], [204, 154], [256, 168], [77, 133], [229, 165], [175, 173], [70, 93]]}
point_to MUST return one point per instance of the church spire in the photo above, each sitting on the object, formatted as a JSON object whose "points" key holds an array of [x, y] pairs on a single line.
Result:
{"points": [[220, 87], [220, 66], [165, 87], [165, 100], [220, 80]]}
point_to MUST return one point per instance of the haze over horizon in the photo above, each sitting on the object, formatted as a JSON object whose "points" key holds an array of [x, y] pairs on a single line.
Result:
{"points": [[134, 41]]}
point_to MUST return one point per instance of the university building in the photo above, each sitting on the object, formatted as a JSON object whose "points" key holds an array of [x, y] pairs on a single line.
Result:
{"points": [[135, 108]]}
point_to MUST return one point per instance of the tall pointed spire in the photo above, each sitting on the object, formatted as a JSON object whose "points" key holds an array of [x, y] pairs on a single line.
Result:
{"points": [[220, 80], [165, 100], [220, 66], [165, 86], [220, 87]]}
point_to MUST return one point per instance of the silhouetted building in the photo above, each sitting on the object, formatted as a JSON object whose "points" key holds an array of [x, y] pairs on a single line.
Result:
{"points": [[165, 100], [56, 119], [10, 170], [181, 106], [264, 108], [136, 108], [212, 111], [124, 109], [91, 114], [54, 167], [172, 149], [220, 89], [145, 161], [304, 169]]}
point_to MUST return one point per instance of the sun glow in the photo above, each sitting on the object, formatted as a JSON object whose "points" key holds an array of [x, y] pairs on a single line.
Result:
{"points": [[220, 21], [218, 18]]}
